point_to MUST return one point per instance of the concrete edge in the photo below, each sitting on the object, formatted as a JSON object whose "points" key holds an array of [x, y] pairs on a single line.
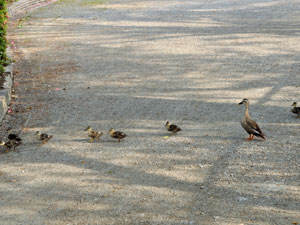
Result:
{"points": [[5, 94]]}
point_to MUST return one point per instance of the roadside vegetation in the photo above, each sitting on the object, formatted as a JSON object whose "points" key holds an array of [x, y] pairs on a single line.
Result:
{"points": [[3, 42]]}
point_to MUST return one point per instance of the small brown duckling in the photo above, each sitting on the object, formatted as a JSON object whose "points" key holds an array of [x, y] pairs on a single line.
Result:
{"points": [[10, 144], [117, 134], [43, 137], [93, 134], [296, 109], [172, 127], [13, 136], [250, 126]]}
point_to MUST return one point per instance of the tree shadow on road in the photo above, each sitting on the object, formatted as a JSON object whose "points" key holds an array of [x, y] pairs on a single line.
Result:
{"points": [[191, 69]]}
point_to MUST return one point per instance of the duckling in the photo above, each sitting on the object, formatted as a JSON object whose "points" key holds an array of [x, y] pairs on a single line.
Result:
{"points": [[249, 124], [43, 137], [13, 136], [10, 144], [296, 109], [172, 127], [117, 134], [93, 134]]}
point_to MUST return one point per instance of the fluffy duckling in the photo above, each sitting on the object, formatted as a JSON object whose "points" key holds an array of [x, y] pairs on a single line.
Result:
{"points": [[10, 144], [249, 124], [117, 134], [13, 136], [172, 127], [93, 134], [43, 137], [296, 109]]}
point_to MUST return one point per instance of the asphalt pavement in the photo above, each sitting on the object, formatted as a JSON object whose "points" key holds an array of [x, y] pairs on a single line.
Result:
{"points": [[133, 65]]}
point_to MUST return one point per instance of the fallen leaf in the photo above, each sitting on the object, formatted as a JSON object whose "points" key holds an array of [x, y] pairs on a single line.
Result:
{"points": [[83, 162], [166, 137]]}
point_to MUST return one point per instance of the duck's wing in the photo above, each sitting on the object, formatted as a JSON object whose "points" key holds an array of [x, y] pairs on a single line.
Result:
{"points": [[119, 134], [173, 127], [295, 110], [44, 137], [14, 137], [98, 133], [251, 123], [93, 133]]}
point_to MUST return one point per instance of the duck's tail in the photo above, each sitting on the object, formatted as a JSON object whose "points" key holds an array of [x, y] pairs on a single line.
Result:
{"points": [[261, 135], [51, 136]]}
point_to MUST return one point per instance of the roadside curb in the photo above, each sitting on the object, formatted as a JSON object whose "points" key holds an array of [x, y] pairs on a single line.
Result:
{"points": [[5, 93]]}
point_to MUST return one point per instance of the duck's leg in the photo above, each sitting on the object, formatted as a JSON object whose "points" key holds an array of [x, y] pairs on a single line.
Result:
{"points": [[249, 138], [252, 136], [91, 140], [6, 150], [119, 139]]}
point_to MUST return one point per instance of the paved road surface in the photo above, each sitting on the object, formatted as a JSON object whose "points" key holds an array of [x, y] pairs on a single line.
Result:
{"points": [[133, 65]]}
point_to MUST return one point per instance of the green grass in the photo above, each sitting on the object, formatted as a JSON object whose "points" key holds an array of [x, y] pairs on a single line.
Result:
{"points": [[92, 2], [84, 2], [66, 1], [3, 41]]}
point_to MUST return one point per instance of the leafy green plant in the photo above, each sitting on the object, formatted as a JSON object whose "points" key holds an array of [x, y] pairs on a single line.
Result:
{"points": [[3, 41], [92, 2]]}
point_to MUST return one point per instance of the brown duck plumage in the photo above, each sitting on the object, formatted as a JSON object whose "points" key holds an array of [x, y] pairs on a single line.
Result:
{"points": [[172, 127], [93, 134], [117, 134], [249, 124], [295, 109], [44, 138], [10, 144]]}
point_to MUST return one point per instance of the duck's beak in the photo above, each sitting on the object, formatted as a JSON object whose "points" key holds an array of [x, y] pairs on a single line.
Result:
{"points": [[241, 103]]}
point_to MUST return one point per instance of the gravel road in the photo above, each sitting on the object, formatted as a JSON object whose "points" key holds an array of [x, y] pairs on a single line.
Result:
{"points": [[132, 65]]}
